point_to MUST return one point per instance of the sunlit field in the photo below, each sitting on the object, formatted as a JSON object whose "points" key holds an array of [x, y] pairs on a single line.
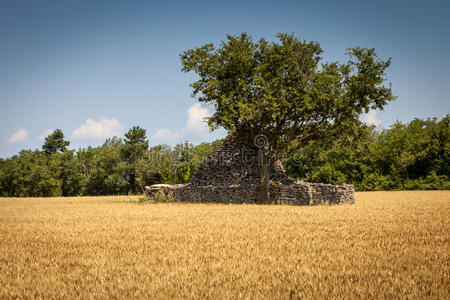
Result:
{"points": [[387, 245]]}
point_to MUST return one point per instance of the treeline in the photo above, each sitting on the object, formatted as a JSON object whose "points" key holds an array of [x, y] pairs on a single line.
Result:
{"points": [[406, 156], [119, 166]]}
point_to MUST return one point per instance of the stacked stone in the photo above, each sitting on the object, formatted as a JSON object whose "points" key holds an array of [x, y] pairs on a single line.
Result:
{"points": [[232, 175], [234, 164]]}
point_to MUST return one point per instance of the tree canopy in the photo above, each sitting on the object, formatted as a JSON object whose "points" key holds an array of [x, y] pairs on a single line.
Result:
{"points": [[135, 145], [280, 89], [55, 142]]}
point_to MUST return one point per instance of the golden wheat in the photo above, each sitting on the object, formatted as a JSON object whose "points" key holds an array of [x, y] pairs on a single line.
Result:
{"points": [[387, 245]]}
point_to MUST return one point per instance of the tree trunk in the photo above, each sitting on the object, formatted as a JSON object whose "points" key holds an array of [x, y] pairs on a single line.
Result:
{"points": [[264, 189]]}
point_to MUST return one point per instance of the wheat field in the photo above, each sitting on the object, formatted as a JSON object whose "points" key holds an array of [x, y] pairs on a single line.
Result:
{"points": [[387, 245]]}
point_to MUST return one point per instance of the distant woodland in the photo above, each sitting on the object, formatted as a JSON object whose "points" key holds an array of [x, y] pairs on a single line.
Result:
{"points": [[404, 157]]}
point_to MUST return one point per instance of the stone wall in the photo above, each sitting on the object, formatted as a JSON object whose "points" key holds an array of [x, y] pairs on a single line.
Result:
{"points": [[232, 175], [297, 193], [234, 164]]}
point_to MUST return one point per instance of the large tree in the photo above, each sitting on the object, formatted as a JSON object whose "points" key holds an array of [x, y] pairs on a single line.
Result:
{"points": [[279, 91]]}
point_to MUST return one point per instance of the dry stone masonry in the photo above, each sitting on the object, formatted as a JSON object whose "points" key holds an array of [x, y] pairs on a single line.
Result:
{"points": [[232, 175]]}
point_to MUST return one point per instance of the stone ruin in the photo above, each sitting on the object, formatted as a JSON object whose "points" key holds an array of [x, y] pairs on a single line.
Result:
{"points": [[232, 175]]}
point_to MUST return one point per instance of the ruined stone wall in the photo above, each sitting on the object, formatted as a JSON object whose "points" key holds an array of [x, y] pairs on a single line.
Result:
{"points": [[305, 193], [234, 164], [232, 175], [298, 193]]}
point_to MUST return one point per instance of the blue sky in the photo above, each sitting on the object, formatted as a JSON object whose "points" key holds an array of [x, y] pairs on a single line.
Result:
{"points": [[96, 68]]}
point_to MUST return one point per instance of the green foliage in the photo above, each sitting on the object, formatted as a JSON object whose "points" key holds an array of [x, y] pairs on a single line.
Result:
{"points": [[307, 109], [328, 173], [406, 156], [55, 142], [430, 182], [103, 169], [281, 90], [135, 144], [134, 147], [108, 169]]}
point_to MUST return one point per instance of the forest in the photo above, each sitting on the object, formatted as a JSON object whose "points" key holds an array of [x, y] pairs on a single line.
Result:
{"points": [[406, 156]]}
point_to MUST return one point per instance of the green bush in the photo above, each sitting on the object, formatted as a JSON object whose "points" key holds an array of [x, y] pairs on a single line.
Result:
{"points": [[327, 174], [430, 182]]}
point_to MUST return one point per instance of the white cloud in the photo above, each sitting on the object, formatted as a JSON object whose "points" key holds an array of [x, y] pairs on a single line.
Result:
{"points": [[102, 129], [45, 134], [195, 125], [166, 134], [18, 137], [196, 119], [371, 118]]}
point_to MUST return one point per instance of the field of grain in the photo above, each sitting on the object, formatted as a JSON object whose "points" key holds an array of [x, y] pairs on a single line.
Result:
{"points": [[389, 244]]}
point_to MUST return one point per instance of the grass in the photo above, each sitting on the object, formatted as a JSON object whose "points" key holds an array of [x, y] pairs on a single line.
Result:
{"points": [[387, 245]]}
